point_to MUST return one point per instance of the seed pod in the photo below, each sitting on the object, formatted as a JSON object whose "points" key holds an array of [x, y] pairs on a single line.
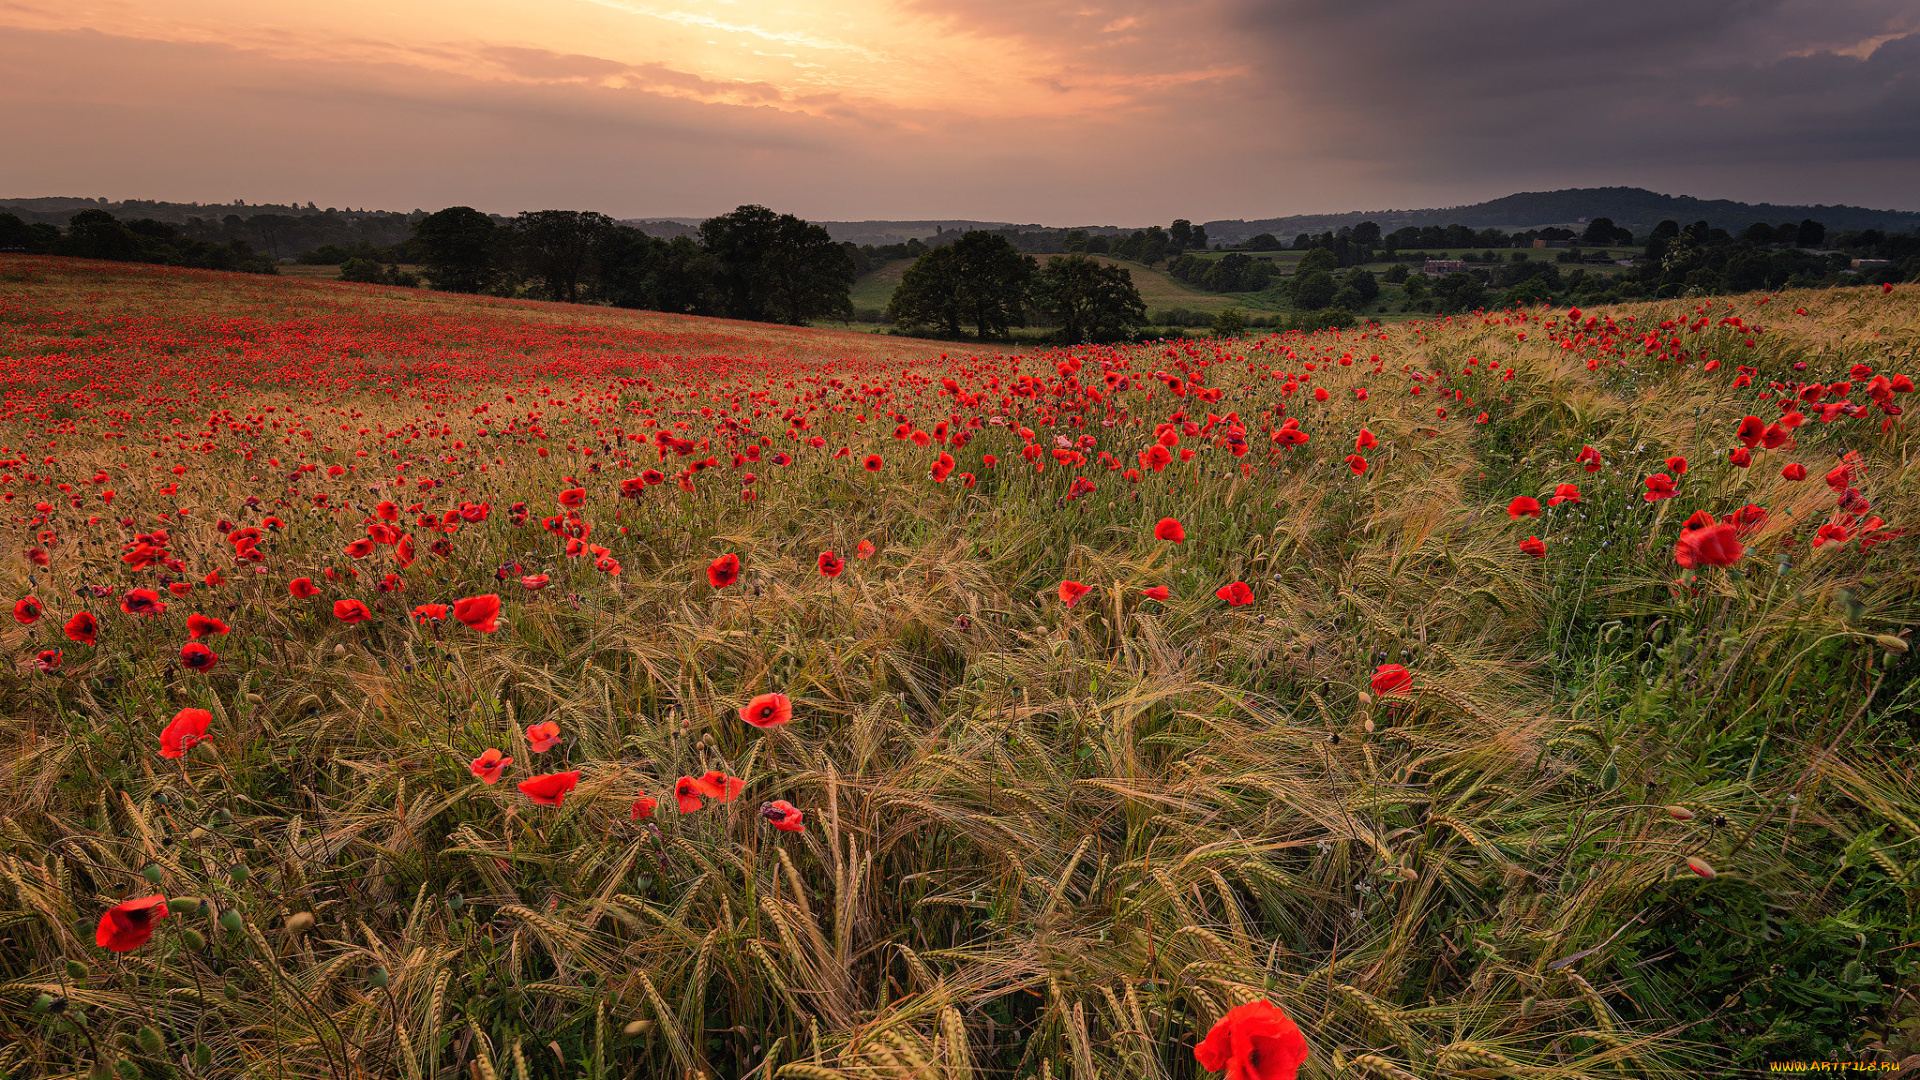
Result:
{"points": [[1702, 867], [1680, 813], [239, 873], [152, 872], [230, 919], [150, 1040]]}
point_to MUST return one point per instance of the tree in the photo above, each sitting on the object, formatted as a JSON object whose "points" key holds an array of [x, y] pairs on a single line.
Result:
{"points": [[1812, 233], [1180, 234], [929, 293], [1313, 289], [1458, 292], [775, 266], [557, 247], [1317, 259], [1265, 241], [1363, 284], [96, 234], [459, 247], [980, 278], [1367, 234], [1091, 301]]}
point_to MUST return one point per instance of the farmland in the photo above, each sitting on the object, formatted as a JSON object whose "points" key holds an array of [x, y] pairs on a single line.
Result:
{"points": [[1524, 693]]}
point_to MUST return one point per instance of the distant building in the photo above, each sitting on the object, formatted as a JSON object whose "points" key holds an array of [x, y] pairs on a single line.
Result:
{"points": [[1870, 264], [1442, 267]]}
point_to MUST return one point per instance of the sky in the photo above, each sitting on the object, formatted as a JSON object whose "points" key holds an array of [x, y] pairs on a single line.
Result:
{"points": [[1056, 112]]}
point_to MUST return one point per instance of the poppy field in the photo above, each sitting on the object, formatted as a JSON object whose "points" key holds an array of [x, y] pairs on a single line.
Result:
{"points": [[411, 685]]}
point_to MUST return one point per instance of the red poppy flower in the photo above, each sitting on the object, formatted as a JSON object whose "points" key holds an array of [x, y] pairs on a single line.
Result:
{"points": [[1678, 465], [1794, 471], [351, 611], [865, 550], [1564, 493], [38, 557], [688, 792], [1255, 1041], [142, 602], [1716, 545], [1071, 592], [1170, 529], [386, 511], [723, 571], [481, 613], [1236, 593], [489, 765], [26, 611], [1740, 456], [1659, 486], [1534, 546], [199, 626], [871, 463], [359, 549], [573, 497], [188, 726], [830, 564], [1390, 679], [1751, 430], [1525, 504], [1588, 457], [198, 657], [535, 581], [127, 926], [83, 628], [784, 815], [1357, 463], [719, 786], [303, 587], [767, 711], [427, 613], [543, 737], [1158, 592], [548, 789], [1366, 441]]}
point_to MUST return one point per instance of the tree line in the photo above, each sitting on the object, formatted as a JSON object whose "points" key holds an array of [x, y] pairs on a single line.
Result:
{"points": [[97, 234]]}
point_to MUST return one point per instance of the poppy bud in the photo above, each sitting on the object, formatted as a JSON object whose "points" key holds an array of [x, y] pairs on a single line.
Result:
{"points": [[1702, 867], [76, 970], [1891, 643], [152, 873], [1680, 813], [193, 939], [378, 976], [150, 1040], [230, 919]]}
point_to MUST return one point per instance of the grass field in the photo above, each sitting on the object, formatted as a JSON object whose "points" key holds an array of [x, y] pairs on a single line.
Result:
{"points": [[1620, 784]]}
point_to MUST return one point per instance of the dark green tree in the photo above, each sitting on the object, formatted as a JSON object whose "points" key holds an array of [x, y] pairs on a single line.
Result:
{"points": [[1459, 292], [1180, 234], [1313, 289], [1265, 241], [1363, 284], [980, 278], [459, 247], [1812, 233], [1091, 301], [557, 246], [96, 234], [771, 266], [929, 293]]}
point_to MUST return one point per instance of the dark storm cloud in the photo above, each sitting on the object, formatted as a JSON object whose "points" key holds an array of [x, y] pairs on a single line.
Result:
{"points": [[1690, 90]]}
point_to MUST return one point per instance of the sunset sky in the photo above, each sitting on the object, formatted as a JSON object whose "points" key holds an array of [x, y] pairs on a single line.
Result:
{"points": [[1050, 111]]}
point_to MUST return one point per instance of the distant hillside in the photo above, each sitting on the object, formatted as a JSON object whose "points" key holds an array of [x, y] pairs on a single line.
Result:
{"points": [[1632, 208]]}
